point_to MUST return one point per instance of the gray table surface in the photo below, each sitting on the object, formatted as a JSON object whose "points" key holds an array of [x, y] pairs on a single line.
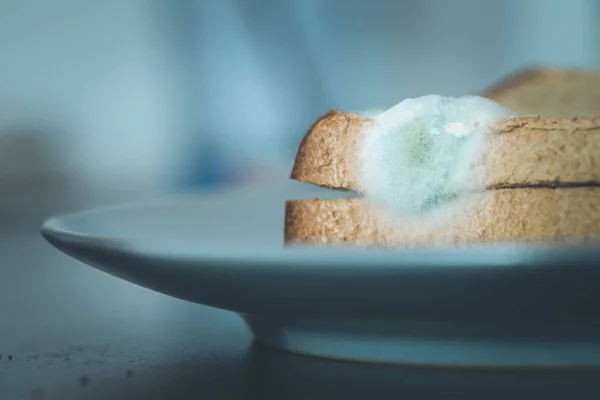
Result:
{"points": [[68, 331]]}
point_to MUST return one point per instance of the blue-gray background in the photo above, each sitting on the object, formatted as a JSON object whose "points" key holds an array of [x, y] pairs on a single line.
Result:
{"points": [[151, 95], [103, 101]]}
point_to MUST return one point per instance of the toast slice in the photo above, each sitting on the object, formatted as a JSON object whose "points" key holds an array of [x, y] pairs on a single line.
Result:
{"points": [[527, 151], [541, 173], [526, 215], [557, 92]]}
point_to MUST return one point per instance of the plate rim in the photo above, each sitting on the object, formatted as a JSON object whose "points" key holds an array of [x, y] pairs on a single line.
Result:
{"points": [[57, 230]]}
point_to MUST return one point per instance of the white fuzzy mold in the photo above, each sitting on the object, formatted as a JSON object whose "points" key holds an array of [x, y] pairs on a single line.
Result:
{"points": [[418, 153]]}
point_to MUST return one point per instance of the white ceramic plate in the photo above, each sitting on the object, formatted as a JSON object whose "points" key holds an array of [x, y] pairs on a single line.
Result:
{"points": [[502, 306]]}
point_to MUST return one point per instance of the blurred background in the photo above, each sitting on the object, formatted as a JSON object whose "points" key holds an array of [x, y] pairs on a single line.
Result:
{"points": [[138, 97], [103, 101]]}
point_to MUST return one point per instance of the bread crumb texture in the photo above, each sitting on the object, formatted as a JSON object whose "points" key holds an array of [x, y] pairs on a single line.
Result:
{"points": [[521, 151], [526, 215], [541, 150]]}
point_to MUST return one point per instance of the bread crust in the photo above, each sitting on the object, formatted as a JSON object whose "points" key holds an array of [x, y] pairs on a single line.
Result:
{"points": [[524, 151], [514, 81], [526, 215], [557, 92], [327, 156]]}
